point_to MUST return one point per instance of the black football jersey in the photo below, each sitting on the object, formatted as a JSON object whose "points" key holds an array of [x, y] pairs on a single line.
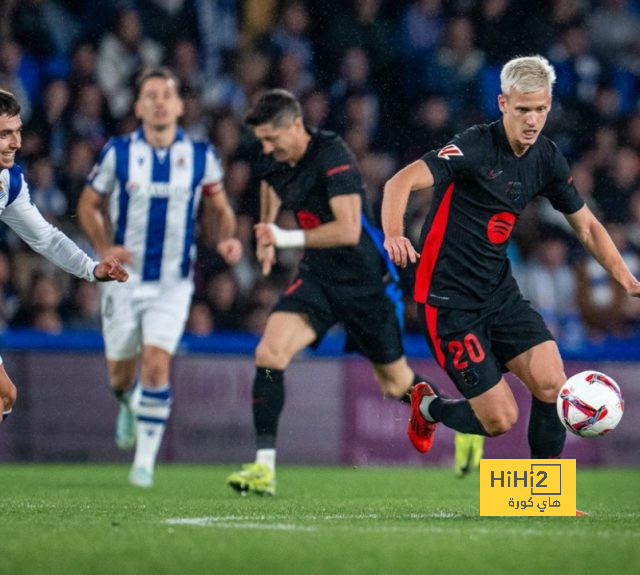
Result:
{"points": [[326, 170], [481, 188]]}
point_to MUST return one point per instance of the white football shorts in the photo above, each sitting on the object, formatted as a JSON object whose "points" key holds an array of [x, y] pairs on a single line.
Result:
{"points": [[134, 315]]}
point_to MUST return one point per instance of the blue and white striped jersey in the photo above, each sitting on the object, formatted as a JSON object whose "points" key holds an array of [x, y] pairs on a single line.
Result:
{"points": [[17, 211], [154, 199]]}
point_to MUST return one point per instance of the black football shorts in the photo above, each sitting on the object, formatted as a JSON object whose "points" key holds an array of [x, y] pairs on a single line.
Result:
{"points": [[473, 346], [367, 313]]}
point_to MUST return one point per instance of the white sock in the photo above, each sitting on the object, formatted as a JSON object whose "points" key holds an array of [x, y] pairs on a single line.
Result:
{"points": [[131, 397], [152, 410], [424, 406], [267, 457]]}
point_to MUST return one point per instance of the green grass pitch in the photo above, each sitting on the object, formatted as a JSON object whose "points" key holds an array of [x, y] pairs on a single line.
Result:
{"points": [[85, 519]]}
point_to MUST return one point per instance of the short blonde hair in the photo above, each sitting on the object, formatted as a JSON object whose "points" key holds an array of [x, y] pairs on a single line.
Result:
{"points": [[527, 74]]}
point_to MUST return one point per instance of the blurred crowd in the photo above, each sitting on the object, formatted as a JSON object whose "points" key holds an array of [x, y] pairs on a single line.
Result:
{"points": [[395, 78]]}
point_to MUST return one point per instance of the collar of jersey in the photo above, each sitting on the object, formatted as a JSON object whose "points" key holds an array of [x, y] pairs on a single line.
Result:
{"points": [[179, 135]]}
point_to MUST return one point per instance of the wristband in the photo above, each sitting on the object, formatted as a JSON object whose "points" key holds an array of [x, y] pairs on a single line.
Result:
{"points": [[287, 238]]}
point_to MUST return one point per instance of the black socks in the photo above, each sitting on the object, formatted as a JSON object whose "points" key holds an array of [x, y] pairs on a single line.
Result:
{"points": [[268, 399], [546, 433]]}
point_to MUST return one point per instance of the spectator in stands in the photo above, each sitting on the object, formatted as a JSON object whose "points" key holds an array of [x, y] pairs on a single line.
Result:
{"points": [[45, 193], [453, 70], [83, 66], [316, 107], [10, 79], [601, 300], [289, 36], [420, 29], [363, 27], [73, 174], [121, 55], [88, 118], [613, 191], [200, 320], [613, 28], [222, 300], [84, 308], [42, 304], [8, 299], [186, 66], [51, 121], [548, 281]]}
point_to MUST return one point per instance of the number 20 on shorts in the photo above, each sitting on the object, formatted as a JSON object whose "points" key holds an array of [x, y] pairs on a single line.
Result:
{"points": [[471, 345]]}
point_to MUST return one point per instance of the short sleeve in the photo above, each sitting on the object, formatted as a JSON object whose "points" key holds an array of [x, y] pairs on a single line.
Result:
{"points": [[457, 158], [213, 171], [17, 188], [560, 190], [102, 177], [339, 170]]}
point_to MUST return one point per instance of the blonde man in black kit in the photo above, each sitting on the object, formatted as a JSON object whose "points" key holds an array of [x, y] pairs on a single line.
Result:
{"points": [[474, 317]]}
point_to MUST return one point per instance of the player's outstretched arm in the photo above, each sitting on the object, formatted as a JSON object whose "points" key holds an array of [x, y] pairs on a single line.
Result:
{"points": [[597, 240], [25, 219], [415, 176]]}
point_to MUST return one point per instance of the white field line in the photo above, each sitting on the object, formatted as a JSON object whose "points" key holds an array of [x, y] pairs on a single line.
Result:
{"points": [[471, 531], [235, 523]]}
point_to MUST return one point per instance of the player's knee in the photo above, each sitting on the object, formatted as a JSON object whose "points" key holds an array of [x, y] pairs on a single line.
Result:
{"points": [[272, 356], [500, 423], [547, 390], [9, 396], [392, 387]]}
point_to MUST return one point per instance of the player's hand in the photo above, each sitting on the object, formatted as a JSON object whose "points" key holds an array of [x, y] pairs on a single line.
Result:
{"points": [[230, 250], [264, 234], [118, 252], [266, 255], [110, 269], [634, 289], [400, 250]]}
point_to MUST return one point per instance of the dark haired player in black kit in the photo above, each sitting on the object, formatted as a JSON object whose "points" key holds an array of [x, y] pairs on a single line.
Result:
{"points": [[344, 276], [474, 317]]}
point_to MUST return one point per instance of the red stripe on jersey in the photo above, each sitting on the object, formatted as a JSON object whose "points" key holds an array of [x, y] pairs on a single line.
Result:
{"points": [[338, 169], [293, 287], [430, 318], [431, 248]]}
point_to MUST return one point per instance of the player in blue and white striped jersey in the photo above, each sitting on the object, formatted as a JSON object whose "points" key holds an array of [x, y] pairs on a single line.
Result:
{"points": [[17, 211], [141, 204]]}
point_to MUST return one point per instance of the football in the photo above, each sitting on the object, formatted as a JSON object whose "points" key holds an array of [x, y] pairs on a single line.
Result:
{"points": [[590, 404]]}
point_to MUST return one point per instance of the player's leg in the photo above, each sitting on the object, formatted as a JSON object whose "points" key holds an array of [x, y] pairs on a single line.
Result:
{"points": [[491, 413], [163, 317], [468, 451], [301, 317], [122, 339], [396, 378], [8, 392], [373, 324], [122, 373], [285, 334], [152, 408], [525, 346], [461, 345], [541, 370]]}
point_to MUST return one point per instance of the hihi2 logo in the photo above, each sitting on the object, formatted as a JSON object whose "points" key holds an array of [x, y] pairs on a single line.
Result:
{"points": [[521, 487]]}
